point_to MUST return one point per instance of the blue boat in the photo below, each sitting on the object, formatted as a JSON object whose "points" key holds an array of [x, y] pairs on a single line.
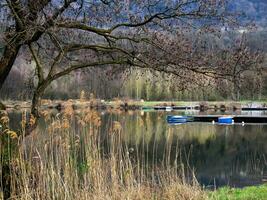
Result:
{"points": [[225, 120], [176, 119]]}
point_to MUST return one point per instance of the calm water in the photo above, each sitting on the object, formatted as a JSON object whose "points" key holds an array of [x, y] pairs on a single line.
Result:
{"points": [[232, 155]]}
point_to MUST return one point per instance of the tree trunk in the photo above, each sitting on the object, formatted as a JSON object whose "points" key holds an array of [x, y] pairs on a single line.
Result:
{"points": [[5, 175], [34, 113], [36, 102], [8, 58], [2, 107]]}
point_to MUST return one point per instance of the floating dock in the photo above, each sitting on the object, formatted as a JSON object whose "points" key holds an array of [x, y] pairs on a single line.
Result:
{"points": [[173, 108], [236, 118], [254, 109], [199, 108]]}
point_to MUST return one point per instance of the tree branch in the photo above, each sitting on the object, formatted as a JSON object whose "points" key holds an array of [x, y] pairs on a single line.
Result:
{"points": [[17, 11], [39, 66], [85, 65]]}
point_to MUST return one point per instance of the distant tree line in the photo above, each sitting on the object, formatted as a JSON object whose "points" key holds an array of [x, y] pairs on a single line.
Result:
{"points": [[150, 85]]}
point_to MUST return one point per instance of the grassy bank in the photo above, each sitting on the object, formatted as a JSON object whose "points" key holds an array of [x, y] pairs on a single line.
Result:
{"points": [[247, 193], [189, 103]]}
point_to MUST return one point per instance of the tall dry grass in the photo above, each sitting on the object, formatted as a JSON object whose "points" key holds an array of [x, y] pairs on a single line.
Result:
{"points": [[69, 161]]}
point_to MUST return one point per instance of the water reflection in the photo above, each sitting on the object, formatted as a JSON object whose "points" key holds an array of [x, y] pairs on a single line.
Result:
{"points": [[220, 155]]}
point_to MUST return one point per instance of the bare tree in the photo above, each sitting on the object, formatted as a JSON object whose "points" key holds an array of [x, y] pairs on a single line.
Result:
{"points": [[29, 20], [64, 36], [239, 62]]}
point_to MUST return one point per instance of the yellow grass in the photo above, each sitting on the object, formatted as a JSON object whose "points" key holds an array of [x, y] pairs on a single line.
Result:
{"points": [[67, 163]]}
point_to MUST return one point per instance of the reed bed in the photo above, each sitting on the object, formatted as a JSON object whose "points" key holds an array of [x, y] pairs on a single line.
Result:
{"points": [[71, 159]]}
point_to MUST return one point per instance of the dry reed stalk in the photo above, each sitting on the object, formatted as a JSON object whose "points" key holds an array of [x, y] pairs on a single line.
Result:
{"points": [[72, 164]]}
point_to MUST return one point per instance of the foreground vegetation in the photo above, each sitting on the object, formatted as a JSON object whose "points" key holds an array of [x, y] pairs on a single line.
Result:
{"points": [[60, 163], [70, 159]]}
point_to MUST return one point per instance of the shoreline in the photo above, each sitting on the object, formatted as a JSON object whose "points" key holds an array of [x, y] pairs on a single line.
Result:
{"points": [[143, 105]]}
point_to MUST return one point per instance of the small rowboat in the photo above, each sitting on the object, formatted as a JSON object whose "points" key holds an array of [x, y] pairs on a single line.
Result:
{"points": [[176, 119], [225, 120]]}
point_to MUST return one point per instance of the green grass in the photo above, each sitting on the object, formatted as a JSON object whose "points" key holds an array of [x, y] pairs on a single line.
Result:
{"points": [[155, 103], [187, 103], [247, 193]]}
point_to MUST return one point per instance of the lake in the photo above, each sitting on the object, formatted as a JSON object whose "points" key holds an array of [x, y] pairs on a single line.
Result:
{"points": [[219, 155]]}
